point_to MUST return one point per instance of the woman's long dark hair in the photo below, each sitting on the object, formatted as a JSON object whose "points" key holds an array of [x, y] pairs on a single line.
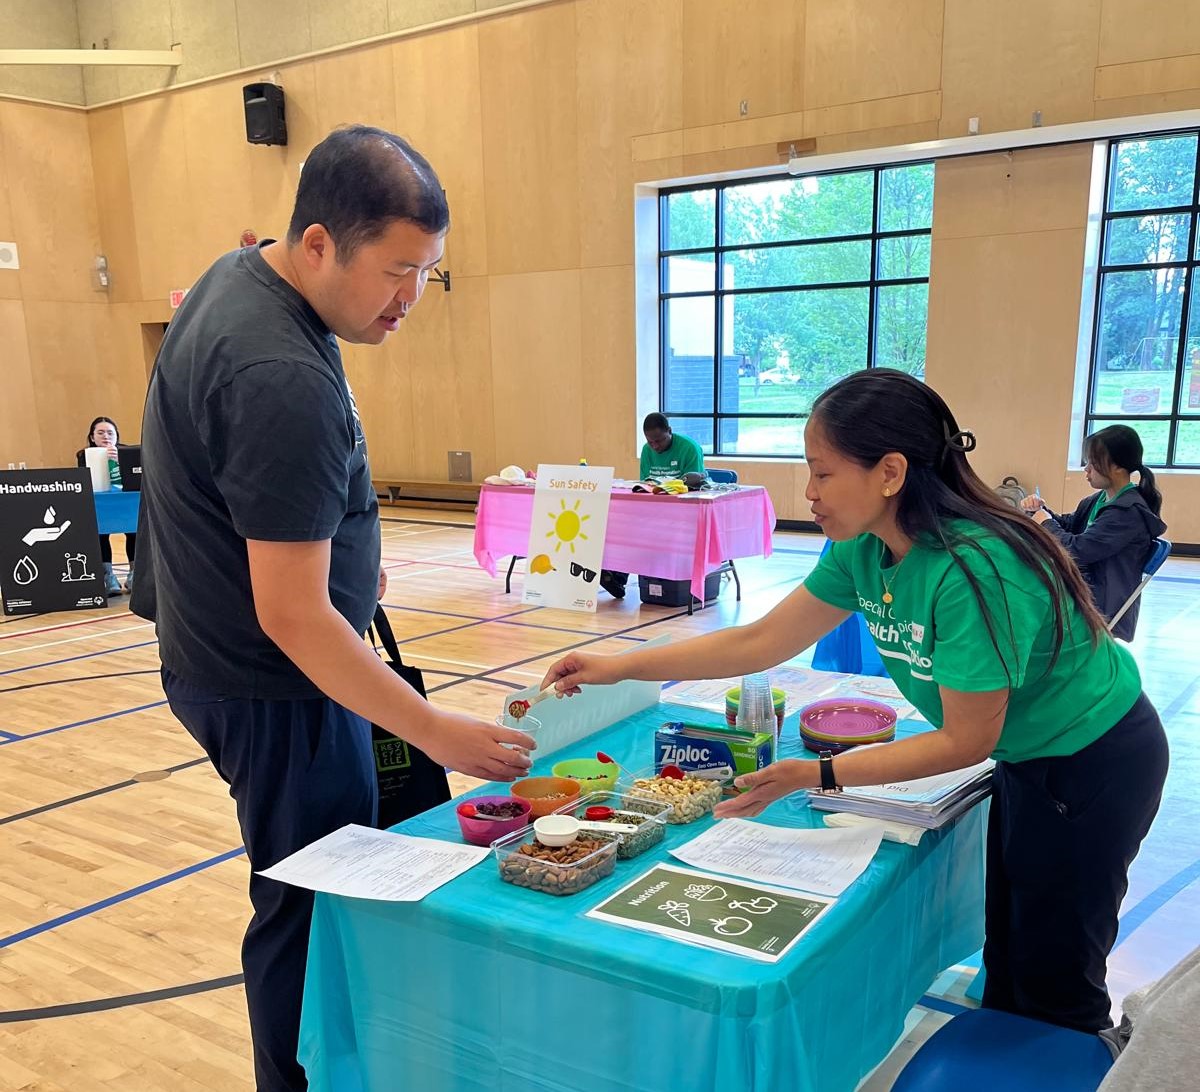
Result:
{"points": [[1121, 446], [879, 411], [92, 428]]}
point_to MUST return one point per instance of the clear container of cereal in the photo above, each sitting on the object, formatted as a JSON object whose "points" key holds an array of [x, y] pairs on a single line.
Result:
{"points": [[563, 870], [690, 798], [635, 823]]}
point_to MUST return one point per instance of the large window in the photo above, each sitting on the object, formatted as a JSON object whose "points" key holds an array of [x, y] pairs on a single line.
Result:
{"points": [[1146, 341], [771, 290]]}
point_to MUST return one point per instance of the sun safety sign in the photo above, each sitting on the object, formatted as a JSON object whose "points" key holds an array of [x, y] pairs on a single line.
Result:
{"points": [[566, 536]]}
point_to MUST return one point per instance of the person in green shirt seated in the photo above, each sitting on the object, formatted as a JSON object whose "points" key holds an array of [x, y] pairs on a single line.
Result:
{"points": [[665, 454], [988, 628]]}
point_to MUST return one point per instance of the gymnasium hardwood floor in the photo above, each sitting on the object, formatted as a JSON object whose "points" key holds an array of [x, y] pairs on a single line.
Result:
{"points": [[122, 897]]}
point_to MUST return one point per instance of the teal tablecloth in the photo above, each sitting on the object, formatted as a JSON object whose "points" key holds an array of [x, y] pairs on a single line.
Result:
{"points": [[486, 987], [117, 511]]}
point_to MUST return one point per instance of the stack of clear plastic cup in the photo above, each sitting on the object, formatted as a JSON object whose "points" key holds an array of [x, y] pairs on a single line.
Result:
{"points": [[756, 707]]}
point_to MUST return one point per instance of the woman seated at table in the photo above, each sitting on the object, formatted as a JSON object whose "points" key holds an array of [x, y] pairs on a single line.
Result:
{"points": [[1111, 534], [103, 433], [989, 630]]}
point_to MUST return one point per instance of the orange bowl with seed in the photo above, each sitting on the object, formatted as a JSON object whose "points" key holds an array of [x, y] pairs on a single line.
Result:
{"points": [[545, 794]]}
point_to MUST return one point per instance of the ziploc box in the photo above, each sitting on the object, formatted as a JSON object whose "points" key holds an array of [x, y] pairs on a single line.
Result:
{"points": [[695, 748]]}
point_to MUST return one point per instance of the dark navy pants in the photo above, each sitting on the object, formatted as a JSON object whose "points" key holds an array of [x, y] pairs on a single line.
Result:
{"points": [[1061, 836], [297, 771]]}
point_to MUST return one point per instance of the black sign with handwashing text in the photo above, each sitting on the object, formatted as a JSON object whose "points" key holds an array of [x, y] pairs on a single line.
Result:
{"points": [[49, 547]]}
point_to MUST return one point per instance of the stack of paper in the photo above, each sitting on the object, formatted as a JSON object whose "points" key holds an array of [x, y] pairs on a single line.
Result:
{"points": [[929, 802]]}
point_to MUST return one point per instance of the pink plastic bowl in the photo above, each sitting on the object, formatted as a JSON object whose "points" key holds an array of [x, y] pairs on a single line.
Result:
{"points": [[483, 832]]}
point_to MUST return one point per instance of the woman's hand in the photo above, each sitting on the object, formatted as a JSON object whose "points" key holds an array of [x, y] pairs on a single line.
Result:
{"points": [[382, 583], [1032, 504], [578, 669], [1041, 516], [767, 785]]}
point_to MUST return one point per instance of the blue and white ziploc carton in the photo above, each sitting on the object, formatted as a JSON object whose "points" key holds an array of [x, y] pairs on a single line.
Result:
{"points": [[708, 750]]}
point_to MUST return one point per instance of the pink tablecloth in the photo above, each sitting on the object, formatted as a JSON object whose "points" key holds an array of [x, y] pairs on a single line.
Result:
{"points": [[675, 538]]}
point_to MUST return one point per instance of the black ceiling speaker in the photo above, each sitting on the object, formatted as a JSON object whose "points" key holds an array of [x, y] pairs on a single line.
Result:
{"points": [[265, 123]]}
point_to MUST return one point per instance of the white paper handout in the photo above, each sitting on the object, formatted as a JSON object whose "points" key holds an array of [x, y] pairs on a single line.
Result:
{"points": [[364, 863], [824, 862]]}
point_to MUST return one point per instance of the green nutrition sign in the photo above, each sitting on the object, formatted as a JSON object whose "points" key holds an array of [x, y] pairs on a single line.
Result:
{"points": [[714, 911]]}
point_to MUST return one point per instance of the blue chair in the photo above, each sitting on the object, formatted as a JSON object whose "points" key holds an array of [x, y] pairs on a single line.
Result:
{"points": [[1159, 554], [850, 648], [726, 477], [985, 1050]]}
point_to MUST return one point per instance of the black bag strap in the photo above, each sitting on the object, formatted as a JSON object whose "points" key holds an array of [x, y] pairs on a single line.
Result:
{"points": [[387, 638]]}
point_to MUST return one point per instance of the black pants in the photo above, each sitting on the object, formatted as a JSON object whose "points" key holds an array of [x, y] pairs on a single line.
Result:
{"points": [[106, 548], [1061, 836], [297, 770]]}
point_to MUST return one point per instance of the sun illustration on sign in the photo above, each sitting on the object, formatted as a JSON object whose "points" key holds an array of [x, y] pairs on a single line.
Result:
{"points": [[568, 526]]}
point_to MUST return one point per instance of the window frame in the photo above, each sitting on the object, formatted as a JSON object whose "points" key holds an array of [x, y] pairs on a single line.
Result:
{"points": [[1188, 264], [718, 293]]}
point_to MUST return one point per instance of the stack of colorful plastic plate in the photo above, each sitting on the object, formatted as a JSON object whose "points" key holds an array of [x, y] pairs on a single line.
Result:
{"points": [[836, 724]]}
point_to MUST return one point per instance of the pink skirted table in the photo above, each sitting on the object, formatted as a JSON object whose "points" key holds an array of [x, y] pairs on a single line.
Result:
{"points": [[672, 538]]}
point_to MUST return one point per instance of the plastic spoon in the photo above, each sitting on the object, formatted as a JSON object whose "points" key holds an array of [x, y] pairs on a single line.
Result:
{"points": [[519, 707]]}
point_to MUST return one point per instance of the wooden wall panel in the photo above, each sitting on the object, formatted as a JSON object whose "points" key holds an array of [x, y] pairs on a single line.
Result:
{"points": [[219, 175], [74, 378], [856, 50], [1172, 74], [52, 200], [379, 376], [129, 367], [20, 432], [10, 279], [635, 45], [611, 431], [442, 119], [539, 396], [1034, 190], [450, 375], [355, 89], [162, 194], [1051, 44], [751, 51], [1002, 345], [1142, 30], [114, 204], [527, 72]]}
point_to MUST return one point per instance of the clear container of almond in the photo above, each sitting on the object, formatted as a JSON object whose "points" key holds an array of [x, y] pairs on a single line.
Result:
{"points": [[691, 796], [554, 870]]}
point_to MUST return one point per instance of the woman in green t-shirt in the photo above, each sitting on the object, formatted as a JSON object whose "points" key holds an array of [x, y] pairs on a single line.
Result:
{"points": [[989, 630]]}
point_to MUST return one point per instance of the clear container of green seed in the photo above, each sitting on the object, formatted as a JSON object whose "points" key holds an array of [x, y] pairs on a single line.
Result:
{"points": [[635, 823]]}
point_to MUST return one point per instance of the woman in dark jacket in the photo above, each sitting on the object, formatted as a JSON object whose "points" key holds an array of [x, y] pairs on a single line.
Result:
{"points": [[1112, 532]]}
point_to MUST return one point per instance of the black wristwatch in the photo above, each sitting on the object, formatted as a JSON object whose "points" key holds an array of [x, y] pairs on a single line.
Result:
{"points": [[828, 781]]}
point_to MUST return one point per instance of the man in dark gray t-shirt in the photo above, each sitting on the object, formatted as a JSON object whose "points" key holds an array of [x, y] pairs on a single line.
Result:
{"points": [[259, 546]]}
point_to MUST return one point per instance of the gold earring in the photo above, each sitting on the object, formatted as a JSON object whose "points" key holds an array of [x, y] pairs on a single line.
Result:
{"points": [[887, 492]]}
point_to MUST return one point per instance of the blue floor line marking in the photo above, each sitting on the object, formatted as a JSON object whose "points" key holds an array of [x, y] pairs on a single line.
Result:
{"points": [[72, 659], [81, 723], [120, 897], [9, 735], [1142, 911], [942, 1004]]}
